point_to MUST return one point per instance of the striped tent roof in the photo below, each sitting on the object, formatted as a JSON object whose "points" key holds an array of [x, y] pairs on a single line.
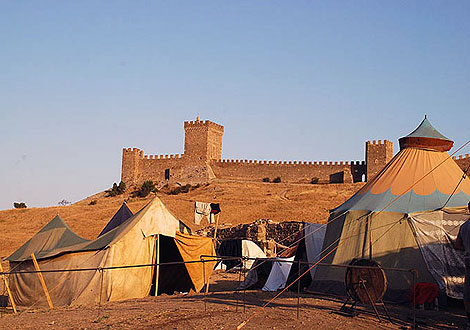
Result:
{"points": [[416, 179]]}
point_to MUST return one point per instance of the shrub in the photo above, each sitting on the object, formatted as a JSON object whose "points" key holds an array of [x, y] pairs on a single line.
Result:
{"points": [[21, 205], [277, 180], [116, 189], [93, 202], [266, 180], [146, 188], [181, 190], [314, 180], [64, 202]]}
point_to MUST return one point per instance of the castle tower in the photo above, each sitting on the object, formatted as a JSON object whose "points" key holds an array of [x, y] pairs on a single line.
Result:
{"points": [[130, 165], [202, 140], [378, 154]]}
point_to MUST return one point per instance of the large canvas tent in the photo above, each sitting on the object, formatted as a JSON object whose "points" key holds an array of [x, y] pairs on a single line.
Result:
{"points": [[132, 243], [398, 219]]}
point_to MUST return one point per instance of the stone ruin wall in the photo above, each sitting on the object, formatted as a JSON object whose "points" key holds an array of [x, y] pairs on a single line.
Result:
{"points": [[263, 232]]}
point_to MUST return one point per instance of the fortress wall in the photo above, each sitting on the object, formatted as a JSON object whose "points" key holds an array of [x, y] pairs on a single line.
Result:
{"points": [[288, 171], [137, 167], [463, 161]]}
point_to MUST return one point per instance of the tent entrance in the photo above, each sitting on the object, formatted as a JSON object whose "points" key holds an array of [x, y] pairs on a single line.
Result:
{"points": [[171, 278]]}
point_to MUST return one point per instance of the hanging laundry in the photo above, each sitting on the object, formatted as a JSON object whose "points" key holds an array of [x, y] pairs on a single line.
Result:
{"points": [[202, 210], [215, 208]]}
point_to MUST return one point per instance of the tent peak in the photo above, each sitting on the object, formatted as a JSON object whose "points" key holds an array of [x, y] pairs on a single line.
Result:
{"points": [[425, 136]]}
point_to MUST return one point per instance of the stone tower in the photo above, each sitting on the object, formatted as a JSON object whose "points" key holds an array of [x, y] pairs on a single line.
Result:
{"points": [[202, 140], [378, 154]]}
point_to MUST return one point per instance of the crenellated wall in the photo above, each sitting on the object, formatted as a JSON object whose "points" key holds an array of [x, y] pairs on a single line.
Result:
{"points": [[202, 161], [289, 171], [463, 162]]}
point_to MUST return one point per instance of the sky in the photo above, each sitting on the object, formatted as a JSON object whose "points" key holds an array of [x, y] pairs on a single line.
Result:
{"points": [[289, 80]]}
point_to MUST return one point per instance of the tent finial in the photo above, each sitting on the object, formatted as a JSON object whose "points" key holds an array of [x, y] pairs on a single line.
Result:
{"points": [[197, 118], [425, 116]]}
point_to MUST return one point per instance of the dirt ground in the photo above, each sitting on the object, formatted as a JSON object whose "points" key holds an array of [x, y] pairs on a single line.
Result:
{"points": [[223, 308]]}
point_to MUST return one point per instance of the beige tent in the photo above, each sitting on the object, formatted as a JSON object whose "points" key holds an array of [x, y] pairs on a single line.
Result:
{"points": [[132, 243], [403, 218]]}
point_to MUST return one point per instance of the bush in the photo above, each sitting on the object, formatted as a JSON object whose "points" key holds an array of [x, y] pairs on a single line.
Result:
{"points": [[181, 190], [266, 180], [116, 189], [64, 202], [277, 180], [146, 188], [21, 205], [314, 180], [93, 202]]}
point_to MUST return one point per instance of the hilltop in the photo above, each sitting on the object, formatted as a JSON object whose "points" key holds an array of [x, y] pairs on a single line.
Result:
{"points": [[241, 202]]}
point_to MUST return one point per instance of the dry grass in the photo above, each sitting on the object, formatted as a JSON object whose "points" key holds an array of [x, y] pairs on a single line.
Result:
{"points": [[241, 202]]}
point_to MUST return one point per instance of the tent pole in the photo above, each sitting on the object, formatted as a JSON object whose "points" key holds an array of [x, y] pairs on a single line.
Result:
{"points": [[157, 276], [8, 289], [215, 237], [216, 225], [41, 279]]}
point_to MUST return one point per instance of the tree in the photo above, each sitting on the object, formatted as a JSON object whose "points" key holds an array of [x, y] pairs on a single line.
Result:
{"points": [[64, 202]]}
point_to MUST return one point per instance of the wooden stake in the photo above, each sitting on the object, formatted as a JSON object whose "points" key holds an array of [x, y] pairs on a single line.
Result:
{"points": [[41, 279], [216, 225], [158, 265], [8, 289]]}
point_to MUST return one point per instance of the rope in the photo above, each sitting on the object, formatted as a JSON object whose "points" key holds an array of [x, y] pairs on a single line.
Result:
{"points": [[464, 175], [342, 242]]}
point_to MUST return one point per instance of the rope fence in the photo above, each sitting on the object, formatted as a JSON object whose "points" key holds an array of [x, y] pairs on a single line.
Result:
{"points": [[240, 293]]}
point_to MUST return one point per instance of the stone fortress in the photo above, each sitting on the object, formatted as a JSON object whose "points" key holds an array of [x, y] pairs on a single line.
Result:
{"points": [[202, 161]]}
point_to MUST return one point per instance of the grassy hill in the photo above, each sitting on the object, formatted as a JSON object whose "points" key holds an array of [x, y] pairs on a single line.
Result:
{"points": [[241, 202]]}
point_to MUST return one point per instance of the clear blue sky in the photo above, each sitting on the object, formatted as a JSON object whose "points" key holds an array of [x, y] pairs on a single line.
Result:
{"points": [[289, 80]]}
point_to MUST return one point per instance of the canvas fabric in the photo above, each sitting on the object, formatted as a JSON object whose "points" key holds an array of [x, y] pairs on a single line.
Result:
{"points": [[314, 235], [251, 250], [121, 216], [192, 248], [393, 245], [278, 275], [434, 232], [433, 175], [132, 243]]}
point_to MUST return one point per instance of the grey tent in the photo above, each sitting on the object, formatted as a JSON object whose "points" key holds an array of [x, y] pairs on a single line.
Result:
{"points": [[121, 215]]}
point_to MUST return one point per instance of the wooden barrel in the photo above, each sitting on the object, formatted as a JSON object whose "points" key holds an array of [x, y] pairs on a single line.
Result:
{"points": [[362, 283]]}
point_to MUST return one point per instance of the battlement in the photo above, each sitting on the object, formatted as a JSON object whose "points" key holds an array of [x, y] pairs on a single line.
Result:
{"points": [[379, 142], [197, 124], [290, 162], [163, 157], [461, 157]]}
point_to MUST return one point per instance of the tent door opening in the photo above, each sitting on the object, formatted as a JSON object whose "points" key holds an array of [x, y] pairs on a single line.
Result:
{"points": [[171, 278]]}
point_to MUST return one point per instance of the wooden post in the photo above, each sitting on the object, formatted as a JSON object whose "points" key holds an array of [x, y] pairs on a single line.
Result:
{"points": [[215, 237], [8, 289], [41, 279], [216, 225], [157, 272]]}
